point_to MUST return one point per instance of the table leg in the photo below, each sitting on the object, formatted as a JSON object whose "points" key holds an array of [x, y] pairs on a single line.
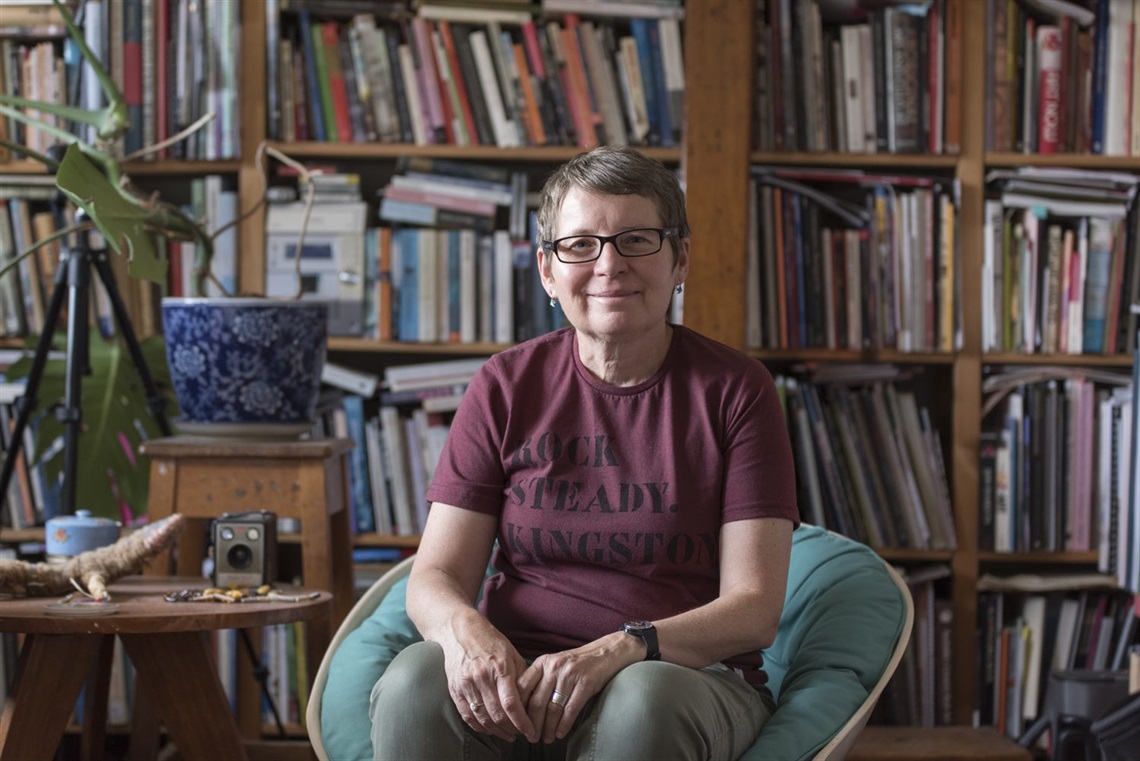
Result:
{"points": [[184, 684], [51, 670], [93, 744]]}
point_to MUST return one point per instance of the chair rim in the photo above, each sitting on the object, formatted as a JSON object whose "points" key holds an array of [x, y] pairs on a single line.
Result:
{"points": [[364, 607], [840, 744]]}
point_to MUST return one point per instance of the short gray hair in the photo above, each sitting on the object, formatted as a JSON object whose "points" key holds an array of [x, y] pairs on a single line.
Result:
{"points": [[615, 170]]}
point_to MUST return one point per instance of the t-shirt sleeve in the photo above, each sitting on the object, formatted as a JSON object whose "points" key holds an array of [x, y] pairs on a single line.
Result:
{"points": [[760, 475], [470, 472]]}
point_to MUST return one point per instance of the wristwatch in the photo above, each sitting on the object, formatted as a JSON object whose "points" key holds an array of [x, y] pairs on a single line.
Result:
{"points": [[647, 633]]}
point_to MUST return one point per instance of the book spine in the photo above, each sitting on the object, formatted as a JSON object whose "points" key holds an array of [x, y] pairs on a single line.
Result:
{"points": [[1049, 136]]}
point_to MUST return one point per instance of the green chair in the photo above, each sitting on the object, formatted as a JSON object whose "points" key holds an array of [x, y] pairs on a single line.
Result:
{"points": [[846, 623]]}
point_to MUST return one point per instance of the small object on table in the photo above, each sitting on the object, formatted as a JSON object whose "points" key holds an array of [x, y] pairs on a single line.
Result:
{"points": [[264, 593]]}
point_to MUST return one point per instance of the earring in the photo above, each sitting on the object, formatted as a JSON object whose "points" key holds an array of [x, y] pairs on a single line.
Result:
{"points": [[553, 301], [680, 287]]}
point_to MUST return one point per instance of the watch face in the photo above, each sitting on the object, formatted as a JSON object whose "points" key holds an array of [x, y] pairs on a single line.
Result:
{"points": [[634, 627]]}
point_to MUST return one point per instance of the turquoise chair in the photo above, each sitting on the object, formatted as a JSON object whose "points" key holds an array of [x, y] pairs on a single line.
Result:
{"points": [[846, 623]]}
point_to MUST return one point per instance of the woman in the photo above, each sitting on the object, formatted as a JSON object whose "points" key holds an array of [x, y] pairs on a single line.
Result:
{"points": [[639, 481]]}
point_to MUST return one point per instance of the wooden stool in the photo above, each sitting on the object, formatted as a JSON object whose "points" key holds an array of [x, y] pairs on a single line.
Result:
{"points": [[202, 478]]}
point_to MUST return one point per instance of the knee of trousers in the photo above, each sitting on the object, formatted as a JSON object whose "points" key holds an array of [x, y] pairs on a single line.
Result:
{"points": [[414, 683], [648, 695]]}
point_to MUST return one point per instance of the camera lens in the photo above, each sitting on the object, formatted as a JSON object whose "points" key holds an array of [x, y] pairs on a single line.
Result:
{"points": [[240, 556]]}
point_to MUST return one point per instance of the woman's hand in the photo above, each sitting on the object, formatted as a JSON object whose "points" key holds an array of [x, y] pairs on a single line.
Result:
{"points": [[557, 686], [483, 669]]}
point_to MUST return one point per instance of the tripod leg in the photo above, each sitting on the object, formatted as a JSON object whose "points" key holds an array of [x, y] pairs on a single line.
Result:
{"points": [[78, 365], [155, 403], [35, 374]]}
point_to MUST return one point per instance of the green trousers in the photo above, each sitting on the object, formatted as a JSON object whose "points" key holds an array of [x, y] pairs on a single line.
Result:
{"points": [[653, 710]]}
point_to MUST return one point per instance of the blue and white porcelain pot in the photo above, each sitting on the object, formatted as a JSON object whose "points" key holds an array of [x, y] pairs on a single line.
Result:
{"points": [[245, 366]]}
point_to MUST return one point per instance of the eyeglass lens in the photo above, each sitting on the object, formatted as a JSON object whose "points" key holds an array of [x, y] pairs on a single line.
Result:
{"points": [[583, 248]]}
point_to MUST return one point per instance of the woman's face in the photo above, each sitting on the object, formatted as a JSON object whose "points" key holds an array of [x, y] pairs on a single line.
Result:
{"points": [[613, 296]]}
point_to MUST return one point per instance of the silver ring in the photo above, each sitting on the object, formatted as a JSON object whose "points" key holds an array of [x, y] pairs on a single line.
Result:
{"points": [[474, 706], [558, 699]]}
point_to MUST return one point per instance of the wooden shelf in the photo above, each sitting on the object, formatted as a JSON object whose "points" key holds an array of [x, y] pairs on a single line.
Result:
{"points": [[891, 161], [342, 343], [847, 355], [1038, 558], [139, 168], [1075, 360], [1081, 160], [357, 151]]}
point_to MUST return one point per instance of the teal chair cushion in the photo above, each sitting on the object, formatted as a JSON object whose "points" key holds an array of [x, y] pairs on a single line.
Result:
{"points": [[843, 615]]}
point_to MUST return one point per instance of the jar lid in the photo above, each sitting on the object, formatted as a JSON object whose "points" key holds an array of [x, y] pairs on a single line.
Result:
{"points": [[82, 518]]}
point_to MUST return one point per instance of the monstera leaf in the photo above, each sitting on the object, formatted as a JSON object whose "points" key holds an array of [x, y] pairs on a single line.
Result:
{"points": [[115, 420], [124, 220]]}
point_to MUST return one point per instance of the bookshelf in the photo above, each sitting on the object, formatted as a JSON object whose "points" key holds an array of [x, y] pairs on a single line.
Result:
{"points": [[715, 157]]}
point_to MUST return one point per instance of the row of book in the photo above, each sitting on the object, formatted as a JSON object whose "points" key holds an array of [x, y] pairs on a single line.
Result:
{"points": [[920, 692], [1054, 471], [852, 259], [174, 60], [1062, 76], [897, 498], [29, 214], [836, 77], [472, 77], [1030, 627], [1060, 262], [399, 435]]}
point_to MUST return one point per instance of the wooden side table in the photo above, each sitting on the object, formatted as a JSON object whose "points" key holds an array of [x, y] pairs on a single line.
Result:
{"points": [[201, 478], [167, 645]]}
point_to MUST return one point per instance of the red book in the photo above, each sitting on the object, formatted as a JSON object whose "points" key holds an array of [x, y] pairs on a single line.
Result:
{"points": [[1050, 121], [460, 84], [330, 38]]}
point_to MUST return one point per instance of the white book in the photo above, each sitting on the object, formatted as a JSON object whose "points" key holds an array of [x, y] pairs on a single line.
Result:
{"points": [[457, 189], [1118, 85], [353, 381], [673, 62], [428, 374], [1124, 516], [463, 15], [412, 93], [468, 287], [428, 303], [504, 281], [623, 9], [377, 476], [506, 135], [1103, 487], [601, 79], [637, 111], [852, 78], [1033, 612], [1067, 624], [396, 453], [867, 88]]}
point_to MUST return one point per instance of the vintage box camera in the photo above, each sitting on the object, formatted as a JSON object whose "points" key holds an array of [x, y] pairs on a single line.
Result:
{"points": [[245, 549]]}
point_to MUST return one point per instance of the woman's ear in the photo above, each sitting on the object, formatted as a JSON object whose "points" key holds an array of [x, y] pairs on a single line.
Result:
{"points": [[544, 273], [683, 260]]}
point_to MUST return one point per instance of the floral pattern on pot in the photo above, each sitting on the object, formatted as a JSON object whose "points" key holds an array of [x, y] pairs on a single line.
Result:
{"points": [[245, 360]]}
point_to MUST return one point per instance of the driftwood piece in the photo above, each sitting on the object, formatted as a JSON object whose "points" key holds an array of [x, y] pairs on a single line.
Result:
{"points": [[93, 569]]}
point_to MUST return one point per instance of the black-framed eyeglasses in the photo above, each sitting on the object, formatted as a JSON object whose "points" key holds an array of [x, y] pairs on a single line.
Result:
{"points": [[582, 249]]}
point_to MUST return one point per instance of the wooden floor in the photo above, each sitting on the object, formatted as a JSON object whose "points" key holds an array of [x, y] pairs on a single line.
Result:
{"points": [[935, 744]]}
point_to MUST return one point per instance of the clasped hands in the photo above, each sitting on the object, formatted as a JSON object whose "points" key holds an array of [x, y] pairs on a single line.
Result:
{"points": [[497, 693]]}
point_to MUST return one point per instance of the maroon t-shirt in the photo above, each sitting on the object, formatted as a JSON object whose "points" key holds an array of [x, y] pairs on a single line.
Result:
{"points": [[610, 498]]}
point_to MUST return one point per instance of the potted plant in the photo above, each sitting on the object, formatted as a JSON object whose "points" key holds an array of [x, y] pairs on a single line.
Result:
{"points": [[242, 365]]}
